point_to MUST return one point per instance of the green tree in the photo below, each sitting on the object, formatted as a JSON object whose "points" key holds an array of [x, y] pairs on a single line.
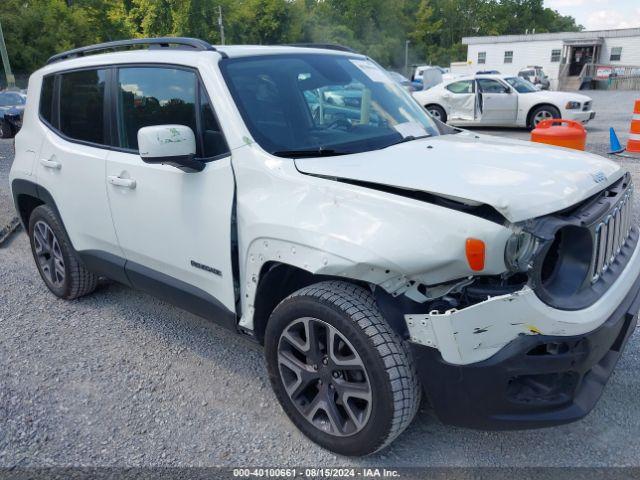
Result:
{"points": [[36, 29]]}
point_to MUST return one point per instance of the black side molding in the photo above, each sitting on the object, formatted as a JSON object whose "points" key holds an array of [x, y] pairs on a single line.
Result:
{"points": [[106, 264], [180, 294], [160, 285]]}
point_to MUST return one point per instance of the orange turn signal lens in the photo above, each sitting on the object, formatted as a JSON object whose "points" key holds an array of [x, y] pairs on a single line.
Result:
{"points": [[475, 254]]}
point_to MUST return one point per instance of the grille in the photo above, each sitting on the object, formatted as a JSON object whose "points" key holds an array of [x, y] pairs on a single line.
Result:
{"points": [[611, 234], [586, 107]]}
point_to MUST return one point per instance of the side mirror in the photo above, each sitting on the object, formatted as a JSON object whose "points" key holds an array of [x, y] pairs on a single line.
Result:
{"points": [[173, 145]]}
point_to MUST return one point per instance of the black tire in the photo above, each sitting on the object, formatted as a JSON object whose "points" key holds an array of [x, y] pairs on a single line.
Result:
{"points": [[393, 383], [546, 111], [5, 130], [437, 112], [75, 280]]}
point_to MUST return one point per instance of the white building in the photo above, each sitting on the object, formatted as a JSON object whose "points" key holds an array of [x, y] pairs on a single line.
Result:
{"points": [[563, 56]]}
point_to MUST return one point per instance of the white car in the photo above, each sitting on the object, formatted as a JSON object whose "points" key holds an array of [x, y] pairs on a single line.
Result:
{"points": [[501, 100], [373, 252]]}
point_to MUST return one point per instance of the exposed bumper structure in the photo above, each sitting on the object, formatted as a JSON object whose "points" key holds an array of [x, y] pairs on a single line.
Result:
{"points": [[480, 331], [513, 362], [535, 381]]}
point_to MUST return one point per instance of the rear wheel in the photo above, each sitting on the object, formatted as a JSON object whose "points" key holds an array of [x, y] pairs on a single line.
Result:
{"points": [[543, 112], [58, 263], [341, 374], [437, 112]]}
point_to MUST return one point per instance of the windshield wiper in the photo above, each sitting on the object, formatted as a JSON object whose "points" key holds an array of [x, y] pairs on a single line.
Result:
{"points": [[408, 138], [320, 152]]}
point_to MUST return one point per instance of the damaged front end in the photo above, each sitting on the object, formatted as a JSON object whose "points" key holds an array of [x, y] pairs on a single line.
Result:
{"points": [[559, 267], [535, 346]]}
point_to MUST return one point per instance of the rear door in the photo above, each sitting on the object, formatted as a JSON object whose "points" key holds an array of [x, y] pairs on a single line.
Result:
{"points": [[174, 227], [71, 162], [498, 102]]}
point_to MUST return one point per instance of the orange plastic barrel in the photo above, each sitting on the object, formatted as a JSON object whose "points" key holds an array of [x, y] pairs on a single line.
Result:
{"points": [[562, 133]]}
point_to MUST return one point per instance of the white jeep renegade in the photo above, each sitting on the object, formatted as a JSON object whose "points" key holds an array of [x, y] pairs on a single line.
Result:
{"points": [[300, 197]]}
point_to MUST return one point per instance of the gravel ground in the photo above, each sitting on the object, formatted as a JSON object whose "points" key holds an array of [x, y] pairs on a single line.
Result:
{"points": [[6, 202], [122, 379]]}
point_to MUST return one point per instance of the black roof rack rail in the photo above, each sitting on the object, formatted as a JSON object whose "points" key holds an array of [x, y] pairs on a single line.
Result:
{"points": [[326, 46], [161, 42]]}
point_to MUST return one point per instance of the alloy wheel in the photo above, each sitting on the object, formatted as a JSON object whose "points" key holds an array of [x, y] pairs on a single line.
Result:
{"points": [[324, 377], [540, 116], [48, 253]]}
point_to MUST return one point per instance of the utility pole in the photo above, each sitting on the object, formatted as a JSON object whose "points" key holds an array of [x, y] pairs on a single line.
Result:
{"points": [[406, 57], [11, 80], [220, 24]]}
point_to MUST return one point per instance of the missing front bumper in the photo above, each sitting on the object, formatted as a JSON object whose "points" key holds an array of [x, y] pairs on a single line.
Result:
{"points": [[534, 381]]}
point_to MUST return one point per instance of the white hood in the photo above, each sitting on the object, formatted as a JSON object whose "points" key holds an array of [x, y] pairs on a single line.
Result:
{"points": [[521, 180]]}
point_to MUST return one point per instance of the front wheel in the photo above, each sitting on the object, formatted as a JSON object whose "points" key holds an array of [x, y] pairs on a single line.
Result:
{"points": [[341, 374], [543, 112], [5, 131]]}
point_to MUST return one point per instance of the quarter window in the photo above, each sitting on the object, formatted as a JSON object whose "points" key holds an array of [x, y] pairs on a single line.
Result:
{"points": [[555, 55], [508, 56], [82, 105], [482, 57], [46, 99], [213, 142], [465, 86], [616, 54], [154, 96]]}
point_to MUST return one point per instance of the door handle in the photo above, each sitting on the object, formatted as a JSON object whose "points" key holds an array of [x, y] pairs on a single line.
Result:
{"points": [[122, 182], [50, 164]]}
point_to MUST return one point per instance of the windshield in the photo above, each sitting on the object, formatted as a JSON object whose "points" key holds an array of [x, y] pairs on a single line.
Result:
{"points": [[306, 104], [521, 85]]}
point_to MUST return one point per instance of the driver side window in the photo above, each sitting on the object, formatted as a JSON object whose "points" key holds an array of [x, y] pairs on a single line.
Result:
{"points": [[487, 85]]}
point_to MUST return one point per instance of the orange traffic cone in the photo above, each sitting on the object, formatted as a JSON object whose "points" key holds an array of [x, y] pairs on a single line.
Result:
{"points": [[633, 145]]}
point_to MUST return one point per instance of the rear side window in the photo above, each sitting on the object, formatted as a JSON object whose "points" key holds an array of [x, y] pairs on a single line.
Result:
{"points": [[82, 105], [465, 86], [154, 96], [46, 99]]}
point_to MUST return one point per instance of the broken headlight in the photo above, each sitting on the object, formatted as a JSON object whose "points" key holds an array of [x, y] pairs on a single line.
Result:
{"points": [[519, 251]]}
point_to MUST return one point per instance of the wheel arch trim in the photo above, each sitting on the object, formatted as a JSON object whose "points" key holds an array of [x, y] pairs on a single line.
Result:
{"points": [[21, 188], [311, 264]]}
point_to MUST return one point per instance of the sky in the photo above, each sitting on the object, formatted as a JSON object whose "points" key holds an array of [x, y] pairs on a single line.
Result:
{"points": [[600, 14]]}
